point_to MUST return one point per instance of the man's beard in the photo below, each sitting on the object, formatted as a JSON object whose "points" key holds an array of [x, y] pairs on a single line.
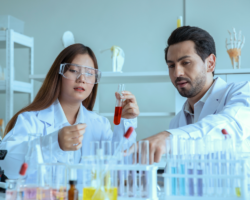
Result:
{"points": [[196, 85]]}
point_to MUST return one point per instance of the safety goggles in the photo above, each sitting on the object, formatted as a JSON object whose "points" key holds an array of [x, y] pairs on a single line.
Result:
{"points": [[73, 72]]}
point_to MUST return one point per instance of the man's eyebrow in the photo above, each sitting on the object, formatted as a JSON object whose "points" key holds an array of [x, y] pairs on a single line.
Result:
{"points": [[183, 57]]}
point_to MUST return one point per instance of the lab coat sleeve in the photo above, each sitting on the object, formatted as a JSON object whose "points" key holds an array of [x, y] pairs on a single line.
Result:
{"points": [[58, 155], [234, 117], [16, 143], [120, 130]]}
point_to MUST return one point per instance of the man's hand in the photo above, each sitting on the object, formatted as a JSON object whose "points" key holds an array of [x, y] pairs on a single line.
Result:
{"points": [[70, 137], [157, 146]]}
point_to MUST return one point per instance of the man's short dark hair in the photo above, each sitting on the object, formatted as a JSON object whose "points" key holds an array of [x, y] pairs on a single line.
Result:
{"points": [[204, 42]]}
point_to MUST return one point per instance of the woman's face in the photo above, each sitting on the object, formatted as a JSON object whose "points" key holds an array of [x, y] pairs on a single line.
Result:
{"points": [[77, 90]]}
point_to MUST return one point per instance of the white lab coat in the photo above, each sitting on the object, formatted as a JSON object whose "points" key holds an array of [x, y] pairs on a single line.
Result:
{"points": [[48, 122], [227, 107]]}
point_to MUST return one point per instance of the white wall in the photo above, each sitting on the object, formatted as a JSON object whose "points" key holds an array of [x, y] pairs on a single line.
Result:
{"points": [[217, 17], [140, 27]]}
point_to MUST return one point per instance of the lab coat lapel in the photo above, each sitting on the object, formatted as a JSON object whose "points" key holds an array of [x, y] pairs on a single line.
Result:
{"points": [[183, 118], [211, 104], [46, 115]]}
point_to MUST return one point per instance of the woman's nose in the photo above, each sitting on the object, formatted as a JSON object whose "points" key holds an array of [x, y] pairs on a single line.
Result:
{"points": [[81, 78]]}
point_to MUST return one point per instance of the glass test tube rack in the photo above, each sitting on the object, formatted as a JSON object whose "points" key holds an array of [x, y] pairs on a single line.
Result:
{"points": [[205, 179]]}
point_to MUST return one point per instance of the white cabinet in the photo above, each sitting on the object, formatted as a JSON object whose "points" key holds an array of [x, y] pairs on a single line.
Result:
{"points": [[9, 40]]}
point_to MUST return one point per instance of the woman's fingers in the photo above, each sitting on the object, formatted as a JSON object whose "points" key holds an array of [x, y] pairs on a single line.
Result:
{"points": [[130, 110], [70, 137], [128, 96]]}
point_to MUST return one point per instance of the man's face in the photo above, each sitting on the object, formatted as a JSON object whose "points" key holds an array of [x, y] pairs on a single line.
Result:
{"points": [[187, 71]]}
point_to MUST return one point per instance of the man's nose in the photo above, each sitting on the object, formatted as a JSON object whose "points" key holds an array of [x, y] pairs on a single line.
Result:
{"points": [[178, 71]]}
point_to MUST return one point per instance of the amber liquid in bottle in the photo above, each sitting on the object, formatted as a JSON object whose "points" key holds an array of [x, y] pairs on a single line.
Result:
{"points": [[73, 192]]}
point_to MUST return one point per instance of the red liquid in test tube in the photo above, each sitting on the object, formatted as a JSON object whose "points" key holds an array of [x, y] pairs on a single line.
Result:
{"points": [[118, 115], [118, 105]]}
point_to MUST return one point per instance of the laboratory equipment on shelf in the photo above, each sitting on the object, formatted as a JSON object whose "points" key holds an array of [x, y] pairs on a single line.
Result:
{"points": [[234, 48], [118, 58]]}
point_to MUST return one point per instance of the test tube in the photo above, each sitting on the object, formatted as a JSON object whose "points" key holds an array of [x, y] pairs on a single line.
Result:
{"points": [[237, 181], [120, 161], [174, 163], [229, 157], [190, 167], [106, 147], [126, 172], [167, 182], [132, 177], [118, 105], [237, 171], [59, 181], [227, 148], [217, 166], [209, 164], [199, 153], [182, 169], [143, 160], [93, 160]]}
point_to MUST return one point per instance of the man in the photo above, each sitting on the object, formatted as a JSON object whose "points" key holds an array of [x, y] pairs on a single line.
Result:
{"points": [[212, 104]]}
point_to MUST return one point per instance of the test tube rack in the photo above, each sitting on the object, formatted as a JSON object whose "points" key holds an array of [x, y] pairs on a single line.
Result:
{"points": [[216, 179], [151, 181]]}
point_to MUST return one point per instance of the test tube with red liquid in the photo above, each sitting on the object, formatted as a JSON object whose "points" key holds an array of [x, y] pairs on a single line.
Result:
{"points": [[118, 105]]}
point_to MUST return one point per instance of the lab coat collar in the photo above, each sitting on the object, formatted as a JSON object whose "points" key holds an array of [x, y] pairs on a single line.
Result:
{"points": [[187, 108], [59, 116], [213, 99], [55, 114], [211, 103], [46, 115]]}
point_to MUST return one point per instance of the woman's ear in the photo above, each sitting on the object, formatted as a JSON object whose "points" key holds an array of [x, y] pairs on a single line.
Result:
{"points": [[210, 62]]}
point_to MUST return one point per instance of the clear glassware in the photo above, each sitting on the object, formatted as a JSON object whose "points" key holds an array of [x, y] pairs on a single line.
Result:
{"points": [[14, 190]]}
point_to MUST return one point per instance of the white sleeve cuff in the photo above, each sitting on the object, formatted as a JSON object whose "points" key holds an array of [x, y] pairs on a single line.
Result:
{"points": [[129, 122], [120, 130]]}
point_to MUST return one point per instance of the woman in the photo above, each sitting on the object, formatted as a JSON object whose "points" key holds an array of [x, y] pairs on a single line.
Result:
{"points": [[62, 110]]}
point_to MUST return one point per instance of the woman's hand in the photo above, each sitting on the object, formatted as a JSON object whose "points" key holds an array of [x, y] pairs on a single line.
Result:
{"points": [[130, 108], [70, 137]]}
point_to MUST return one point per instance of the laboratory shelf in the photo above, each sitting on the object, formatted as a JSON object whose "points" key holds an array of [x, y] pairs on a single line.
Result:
{"points": [[126, 77], [143, 77], [20, 40], [232, 71], [18, 86], [145, 114], [10, 40]]}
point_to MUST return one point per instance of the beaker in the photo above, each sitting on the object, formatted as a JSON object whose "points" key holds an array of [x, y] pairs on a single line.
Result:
{"points": [[14, 187]]}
